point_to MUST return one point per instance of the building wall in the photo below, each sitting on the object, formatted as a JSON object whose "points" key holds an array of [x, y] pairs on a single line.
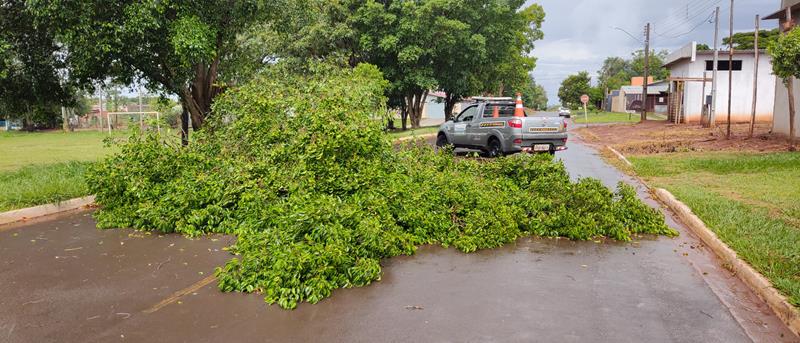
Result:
{"points": [[780, 122], [618, 103], [432, 108], [742, 104]]}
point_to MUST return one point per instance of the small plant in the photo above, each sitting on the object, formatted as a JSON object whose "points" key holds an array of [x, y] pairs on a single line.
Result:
{"points": [[299, 169]]}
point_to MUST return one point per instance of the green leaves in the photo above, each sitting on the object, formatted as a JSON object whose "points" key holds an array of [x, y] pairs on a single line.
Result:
{"points": [[299, 169], [785, 53], [193, 40]]}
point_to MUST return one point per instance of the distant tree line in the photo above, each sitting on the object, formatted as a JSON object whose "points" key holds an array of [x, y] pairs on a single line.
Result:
{"points": [[615, 73]]}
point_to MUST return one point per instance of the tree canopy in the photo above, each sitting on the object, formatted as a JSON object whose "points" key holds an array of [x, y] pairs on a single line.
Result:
{"points": [[785, 52], [31, 85], [746, 40], [177, 47], [657, 69], [461, 47], [615, 73], [573, 87]]}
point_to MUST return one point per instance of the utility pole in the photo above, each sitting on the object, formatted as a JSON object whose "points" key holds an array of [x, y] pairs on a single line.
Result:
{"points": [[712, 122], [100, 110], [755, 78], [730, 74], [141, 112], [646, 70]]}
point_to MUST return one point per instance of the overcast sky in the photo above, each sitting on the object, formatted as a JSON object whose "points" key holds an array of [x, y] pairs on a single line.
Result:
{"points": [[580, 34]]}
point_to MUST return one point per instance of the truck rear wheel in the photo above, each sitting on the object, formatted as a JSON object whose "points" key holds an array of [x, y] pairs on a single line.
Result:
{"points": [[495, 148]]}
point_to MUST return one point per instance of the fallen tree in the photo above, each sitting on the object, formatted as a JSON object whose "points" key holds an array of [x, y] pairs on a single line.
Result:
{"points": [[299, 169]]}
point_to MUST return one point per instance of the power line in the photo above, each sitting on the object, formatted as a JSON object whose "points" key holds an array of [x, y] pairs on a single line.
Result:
{"points": [[707, 20], [675, 14], [699, 12], [691, 7]]}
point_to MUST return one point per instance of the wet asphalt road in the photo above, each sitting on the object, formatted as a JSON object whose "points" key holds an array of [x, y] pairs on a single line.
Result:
{"points": [[62, 280]]}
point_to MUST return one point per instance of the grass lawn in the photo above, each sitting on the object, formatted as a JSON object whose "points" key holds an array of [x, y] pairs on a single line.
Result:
{"points": [[21, 149], [604, 117], [45, 167], [412, 132], [42, 184], [613, 117], [749, 200]]}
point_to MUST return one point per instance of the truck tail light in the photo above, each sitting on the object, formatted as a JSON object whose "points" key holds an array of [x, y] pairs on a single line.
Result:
{"points": [[518, 141], [565, 125], [515, 123]]}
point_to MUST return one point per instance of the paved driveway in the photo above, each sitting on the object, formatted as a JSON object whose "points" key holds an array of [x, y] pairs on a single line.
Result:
{"points": [[62, 280]]}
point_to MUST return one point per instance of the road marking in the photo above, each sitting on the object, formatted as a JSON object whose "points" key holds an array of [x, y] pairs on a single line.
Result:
{"points": [[177, 295]]}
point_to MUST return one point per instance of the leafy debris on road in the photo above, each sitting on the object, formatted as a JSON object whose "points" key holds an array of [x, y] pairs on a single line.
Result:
{"points": [[297, 166]]}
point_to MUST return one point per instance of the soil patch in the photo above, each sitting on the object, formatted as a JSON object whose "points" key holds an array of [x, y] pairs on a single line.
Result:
{"points": [[652, 137]]}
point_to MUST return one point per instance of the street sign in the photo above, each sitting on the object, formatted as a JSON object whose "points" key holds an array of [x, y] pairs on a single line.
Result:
{"points": [[585, 101]]}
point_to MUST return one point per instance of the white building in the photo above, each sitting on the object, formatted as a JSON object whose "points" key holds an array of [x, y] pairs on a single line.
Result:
{"points": [[689, 103], [781, 121]]}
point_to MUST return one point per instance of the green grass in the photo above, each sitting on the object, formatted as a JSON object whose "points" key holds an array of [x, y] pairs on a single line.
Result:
{"points": [[604, 117], [42, 184], [45, 167], [749, 200], [20, 149], [412, 132]]}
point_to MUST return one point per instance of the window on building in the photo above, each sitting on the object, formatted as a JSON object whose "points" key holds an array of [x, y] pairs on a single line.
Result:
{"points": [[724, 65]]}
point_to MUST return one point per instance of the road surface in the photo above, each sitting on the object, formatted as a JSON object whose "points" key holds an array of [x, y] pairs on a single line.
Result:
{"points": [[62, 280]]}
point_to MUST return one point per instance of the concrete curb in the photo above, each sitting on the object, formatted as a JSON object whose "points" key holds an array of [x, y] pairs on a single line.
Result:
{"points": [[23, 214], [753, 279], [620, 156]]}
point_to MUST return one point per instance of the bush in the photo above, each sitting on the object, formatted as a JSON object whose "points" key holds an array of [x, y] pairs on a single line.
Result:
{"points": [[298, 168]]}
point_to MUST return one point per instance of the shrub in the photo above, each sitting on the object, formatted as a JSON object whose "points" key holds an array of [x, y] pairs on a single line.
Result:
{"points": [[296, 165]]}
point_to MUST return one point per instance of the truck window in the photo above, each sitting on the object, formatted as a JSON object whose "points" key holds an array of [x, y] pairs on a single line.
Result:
{"points": [[467, 114], [499, 111]]}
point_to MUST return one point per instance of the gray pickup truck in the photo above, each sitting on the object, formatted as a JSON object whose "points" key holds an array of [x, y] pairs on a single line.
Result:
{"points": [[489, 125]]}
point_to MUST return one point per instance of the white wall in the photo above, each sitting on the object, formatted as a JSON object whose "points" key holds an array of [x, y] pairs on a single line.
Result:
{"points": [[781, 120], [742, 104]]}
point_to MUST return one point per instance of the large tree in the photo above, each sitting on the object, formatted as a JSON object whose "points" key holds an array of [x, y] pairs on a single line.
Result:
{"points": [[462, 47], [508, 33], [785, 54], [615, 73], [656, 61], [33, 86], [746, 40], [573, 87], [177, 47]]}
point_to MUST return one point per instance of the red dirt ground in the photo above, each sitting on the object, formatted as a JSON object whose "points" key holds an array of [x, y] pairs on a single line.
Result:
{"points": [[652, 137]]}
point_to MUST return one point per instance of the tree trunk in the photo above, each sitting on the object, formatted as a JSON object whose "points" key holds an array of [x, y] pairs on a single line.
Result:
{"points": [[449, 104], [198, 97], [404, 116], [185, 126], [415, 102], [792, 111]]}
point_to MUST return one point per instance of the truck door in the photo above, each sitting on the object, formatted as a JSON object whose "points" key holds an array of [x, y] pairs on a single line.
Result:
{"points": [[492, 117], [463, 122]]}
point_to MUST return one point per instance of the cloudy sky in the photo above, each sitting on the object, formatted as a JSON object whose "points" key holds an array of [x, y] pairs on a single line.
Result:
{"points": [[580, 34]]}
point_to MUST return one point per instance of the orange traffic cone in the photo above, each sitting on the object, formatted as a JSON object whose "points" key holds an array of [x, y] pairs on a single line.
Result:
{"points": [[496, 112], [519, 110]]}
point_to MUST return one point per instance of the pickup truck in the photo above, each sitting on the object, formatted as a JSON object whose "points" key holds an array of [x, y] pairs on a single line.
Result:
{"points": [[490, 125]]}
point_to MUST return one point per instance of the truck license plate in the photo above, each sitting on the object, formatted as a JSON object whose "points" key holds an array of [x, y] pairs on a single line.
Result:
{"points": [[541, 147]]}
